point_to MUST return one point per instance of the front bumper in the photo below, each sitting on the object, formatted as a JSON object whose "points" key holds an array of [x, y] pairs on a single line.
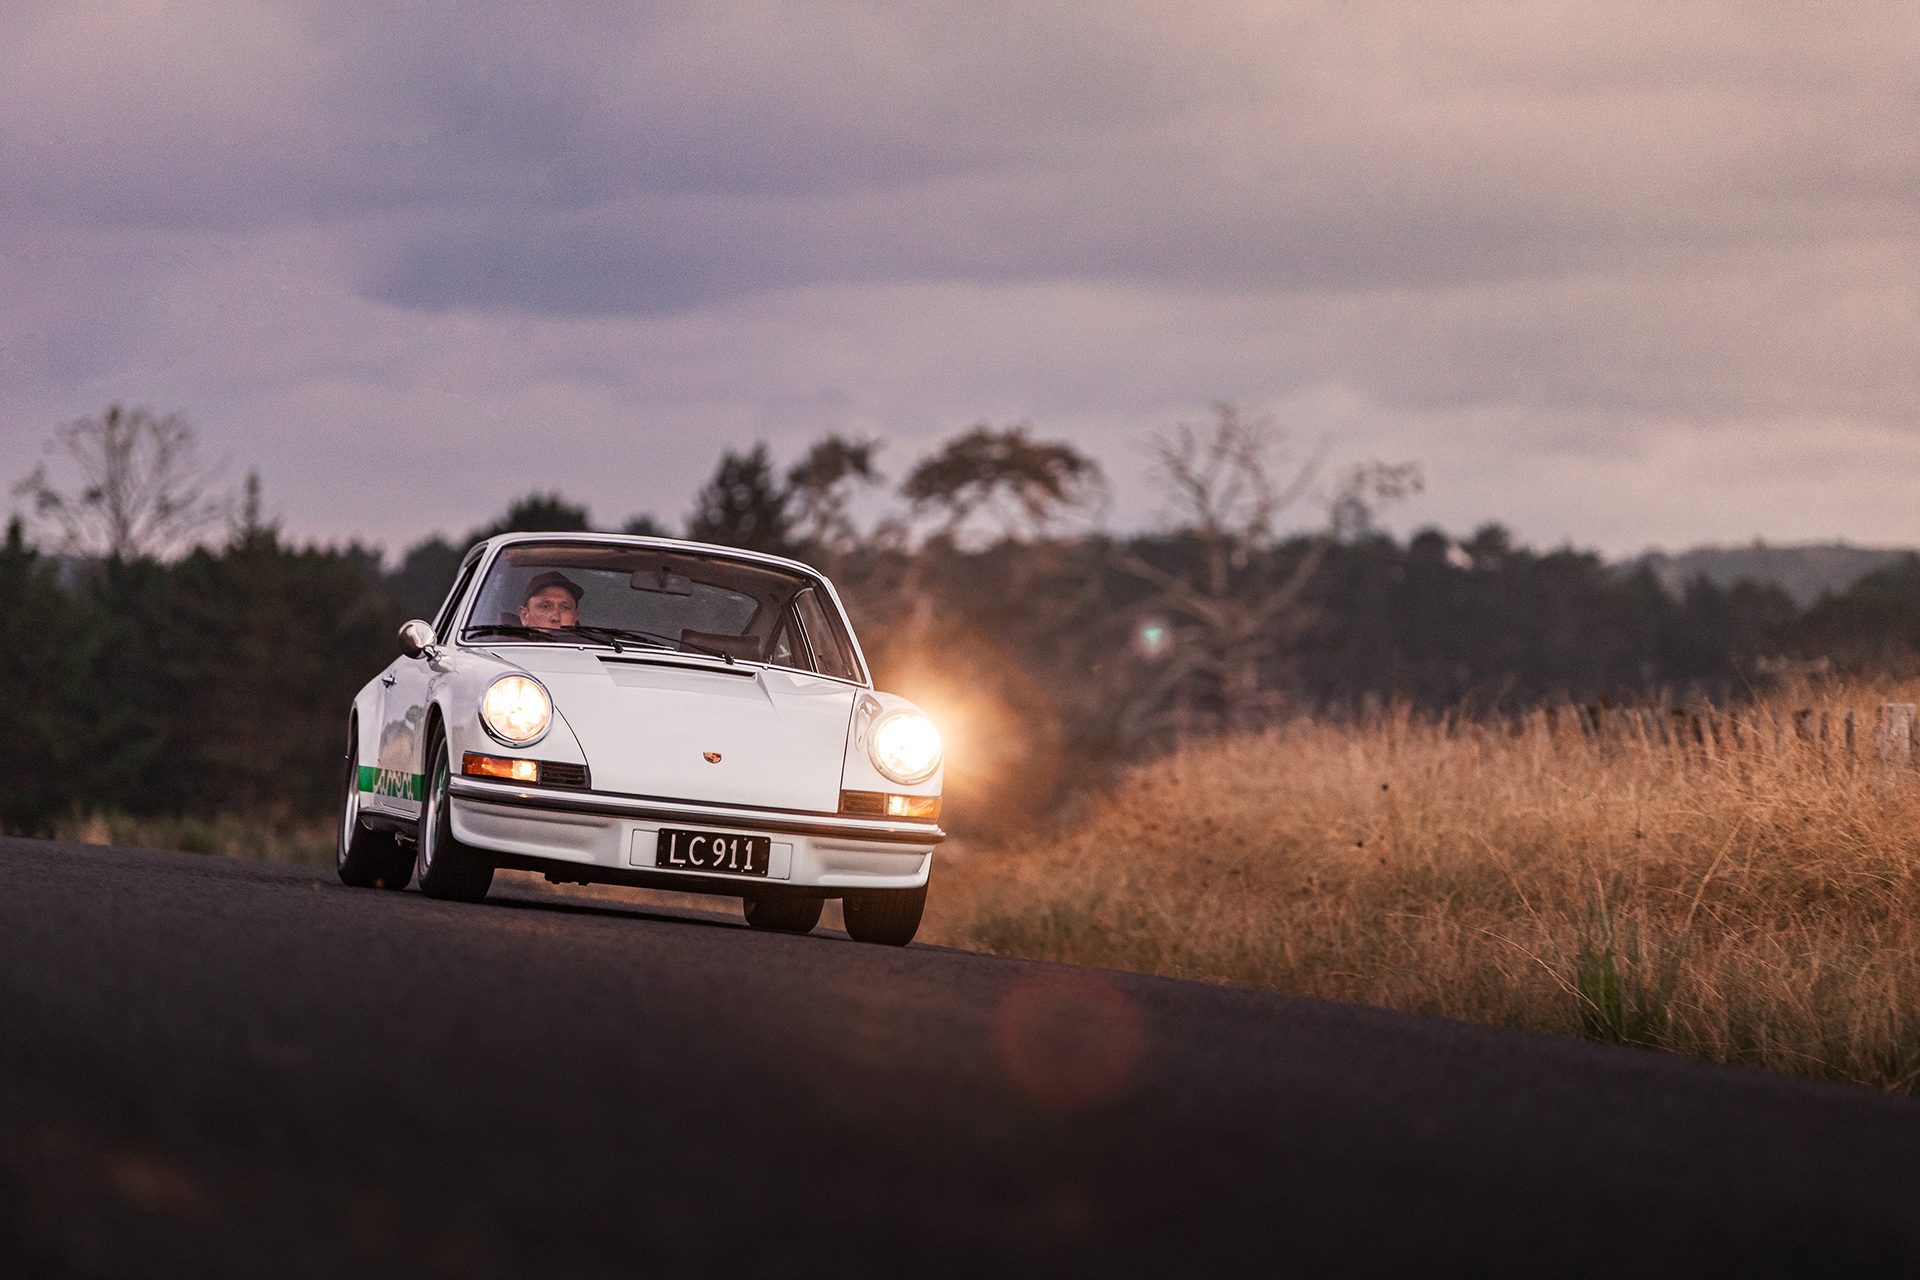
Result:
{"points": [[597, 835]]}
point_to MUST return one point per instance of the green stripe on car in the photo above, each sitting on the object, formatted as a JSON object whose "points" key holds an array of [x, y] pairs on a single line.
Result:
{"points": [[397, 783]]}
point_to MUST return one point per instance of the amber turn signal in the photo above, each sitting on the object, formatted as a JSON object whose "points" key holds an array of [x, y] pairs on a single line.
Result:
{"points": [[878, 804], [500, 767], [926, 808]]}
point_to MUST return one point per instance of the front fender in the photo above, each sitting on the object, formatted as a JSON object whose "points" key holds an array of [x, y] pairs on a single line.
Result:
{"points": [[456, 700], [365, 715]]}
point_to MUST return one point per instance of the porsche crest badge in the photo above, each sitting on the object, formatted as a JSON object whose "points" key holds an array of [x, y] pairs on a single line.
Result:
{"points": [[711, 757]]}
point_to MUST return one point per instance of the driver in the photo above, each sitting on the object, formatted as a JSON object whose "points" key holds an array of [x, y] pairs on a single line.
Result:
{"points": [[553, 600]]}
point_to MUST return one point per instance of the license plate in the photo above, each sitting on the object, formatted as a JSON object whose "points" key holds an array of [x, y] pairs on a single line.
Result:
{"points": [[707, 851]]}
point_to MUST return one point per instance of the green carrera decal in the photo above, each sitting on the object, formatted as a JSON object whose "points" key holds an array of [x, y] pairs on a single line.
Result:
{"points": [[397, 783]]}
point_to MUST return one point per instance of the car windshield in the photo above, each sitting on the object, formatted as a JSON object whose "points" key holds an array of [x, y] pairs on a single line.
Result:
{"points": [[661, 597]]}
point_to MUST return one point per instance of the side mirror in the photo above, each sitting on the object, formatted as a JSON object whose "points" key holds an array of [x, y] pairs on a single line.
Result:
{"points": [[416, 637]]}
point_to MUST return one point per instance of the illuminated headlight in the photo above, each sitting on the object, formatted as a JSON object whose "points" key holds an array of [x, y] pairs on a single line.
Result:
{"points": [[516, 710], [905, 746]]}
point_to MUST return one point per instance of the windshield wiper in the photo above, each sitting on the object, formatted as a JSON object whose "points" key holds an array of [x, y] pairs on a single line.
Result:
{"points": [[509, 629], [605, 635], [612, 635]]}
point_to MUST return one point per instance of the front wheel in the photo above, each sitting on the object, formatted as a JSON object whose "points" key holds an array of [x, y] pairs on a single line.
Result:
{"points": [[448, 868], [889, 917], [366, 859], [783, 914]]}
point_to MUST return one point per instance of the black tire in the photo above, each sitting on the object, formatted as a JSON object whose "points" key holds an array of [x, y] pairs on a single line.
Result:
{"points": [[889, 917], [366, 859], [448, 868], [783, 914]]}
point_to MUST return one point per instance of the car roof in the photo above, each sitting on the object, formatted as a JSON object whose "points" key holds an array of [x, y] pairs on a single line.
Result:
{"points": [[642, 540]]}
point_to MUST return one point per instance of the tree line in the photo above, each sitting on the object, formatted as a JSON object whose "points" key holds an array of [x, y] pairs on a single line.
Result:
{"points": [[191, 658]]}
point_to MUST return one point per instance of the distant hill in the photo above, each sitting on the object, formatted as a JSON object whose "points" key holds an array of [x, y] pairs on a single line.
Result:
{"points": [[1804, 571]]}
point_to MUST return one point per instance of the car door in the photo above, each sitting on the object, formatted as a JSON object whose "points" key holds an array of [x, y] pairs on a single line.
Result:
{"points": [[406, 691]]}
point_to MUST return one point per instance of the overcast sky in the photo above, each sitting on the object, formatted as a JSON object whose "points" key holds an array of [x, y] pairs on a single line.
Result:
{"points": [[1625, 276]]}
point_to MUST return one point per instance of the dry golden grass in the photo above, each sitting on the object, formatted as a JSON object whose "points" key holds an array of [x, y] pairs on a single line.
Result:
{"points": [[1757, 903]]}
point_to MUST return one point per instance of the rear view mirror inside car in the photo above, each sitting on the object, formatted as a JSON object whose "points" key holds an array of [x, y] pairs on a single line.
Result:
{"points": [[663, 581]]}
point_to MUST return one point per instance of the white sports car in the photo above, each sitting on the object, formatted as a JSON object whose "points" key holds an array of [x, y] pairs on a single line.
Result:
{"points": [[644, 711]]}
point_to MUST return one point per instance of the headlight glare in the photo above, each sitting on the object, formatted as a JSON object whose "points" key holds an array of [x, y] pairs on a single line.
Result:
{"points": [[905, 746], [516, 710]]}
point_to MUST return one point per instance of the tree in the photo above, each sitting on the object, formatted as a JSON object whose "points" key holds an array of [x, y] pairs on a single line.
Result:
{"points": [[1018, 485], [987, 481], [272, 640], [535, 513], [426, 570], [1362, 490], [137, 486], [53, 754], [1873, 625], [744, 506], [1490, 547], [1229, 606], [820, 490], [424, 576]]}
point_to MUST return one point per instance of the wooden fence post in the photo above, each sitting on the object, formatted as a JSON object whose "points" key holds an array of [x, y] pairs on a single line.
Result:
{"points": [[1803, 725], [1893, 739]]}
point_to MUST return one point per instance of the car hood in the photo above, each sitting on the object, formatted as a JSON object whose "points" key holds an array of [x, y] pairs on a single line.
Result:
{"points": [[692, 729]]}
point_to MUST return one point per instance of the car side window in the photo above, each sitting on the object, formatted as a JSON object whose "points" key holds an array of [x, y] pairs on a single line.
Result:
{"points": [[785, 649], [444, 618], [832, 655]]}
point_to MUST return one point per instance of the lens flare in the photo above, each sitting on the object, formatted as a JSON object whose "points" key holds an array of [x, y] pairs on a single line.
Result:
{"points": [[516, 709], [1070, 1041]]}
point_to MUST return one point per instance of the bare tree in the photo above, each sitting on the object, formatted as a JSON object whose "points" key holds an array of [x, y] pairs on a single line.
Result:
{"points": [[1363, 489], [138, 487], [1209, 627]]}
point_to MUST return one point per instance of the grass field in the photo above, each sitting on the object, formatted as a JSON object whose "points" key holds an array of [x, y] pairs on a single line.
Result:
{"points": [[1738, 889]]}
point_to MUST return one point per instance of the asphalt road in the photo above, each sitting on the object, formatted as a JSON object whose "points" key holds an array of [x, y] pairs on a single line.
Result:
{"points": [[228, 1068]]}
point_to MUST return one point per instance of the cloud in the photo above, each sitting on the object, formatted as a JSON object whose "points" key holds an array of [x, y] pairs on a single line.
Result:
{"points": [[1304, 155], [484, 245]]}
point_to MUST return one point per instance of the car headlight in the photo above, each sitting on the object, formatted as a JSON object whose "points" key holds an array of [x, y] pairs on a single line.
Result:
{"points": [[905, 746], [516, 710]]}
